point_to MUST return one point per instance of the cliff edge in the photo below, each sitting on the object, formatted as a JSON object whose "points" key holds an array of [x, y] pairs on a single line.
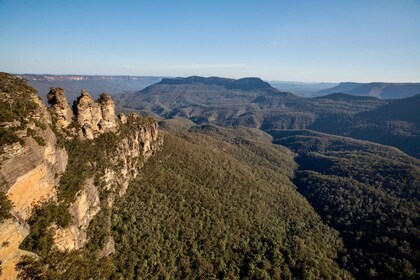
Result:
{"points": [[68, 162]]}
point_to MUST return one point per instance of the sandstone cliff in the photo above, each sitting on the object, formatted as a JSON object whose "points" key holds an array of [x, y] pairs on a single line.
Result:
{"points": [[60, 107], [95, 117], [32, 162]]}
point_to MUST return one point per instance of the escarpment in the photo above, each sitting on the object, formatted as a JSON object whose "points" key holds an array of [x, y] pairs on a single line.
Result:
{"points": [[30, 163], [118, 158], [74, 160]]}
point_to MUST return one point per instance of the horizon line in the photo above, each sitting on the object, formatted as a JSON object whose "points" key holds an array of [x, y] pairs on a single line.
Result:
{"points": [[158, 76]]}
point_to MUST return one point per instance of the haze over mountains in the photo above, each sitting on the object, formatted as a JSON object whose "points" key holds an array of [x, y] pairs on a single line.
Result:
{"points": [[97, 84], [380, 90]]}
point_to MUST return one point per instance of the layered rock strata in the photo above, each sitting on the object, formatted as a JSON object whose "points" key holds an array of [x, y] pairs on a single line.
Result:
{"points": [[30, 168]]}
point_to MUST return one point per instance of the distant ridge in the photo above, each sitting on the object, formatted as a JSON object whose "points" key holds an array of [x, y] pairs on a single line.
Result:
{"points": [[95, 84], [250, 83], [376, 89], [346, 97], [72, 77], [406, 109]]}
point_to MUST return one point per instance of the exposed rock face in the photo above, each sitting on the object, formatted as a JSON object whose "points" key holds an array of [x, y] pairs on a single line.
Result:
{"points": [[86, 206], [29, 170], [123, 118], [12, 233], [108, 249], [60, 106], [108, 122], [88, 114], [131, 154], [95, 117]]}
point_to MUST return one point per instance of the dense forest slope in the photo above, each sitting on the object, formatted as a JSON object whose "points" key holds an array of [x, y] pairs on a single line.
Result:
{"points": [[369, 193], [218, 203], [396, 124]]}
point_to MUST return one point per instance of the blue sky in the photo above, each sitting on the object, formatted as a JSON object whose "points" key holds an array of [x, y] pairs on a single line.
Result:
{"points": [[346, 40]]}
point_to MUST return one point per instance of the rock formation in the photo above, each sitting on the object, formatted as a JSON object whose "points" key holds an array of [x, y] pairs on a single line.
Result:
{"points": [[31, 163], [88, 114], [108, 121], [60, 107], [95, 117], [86, 206]]}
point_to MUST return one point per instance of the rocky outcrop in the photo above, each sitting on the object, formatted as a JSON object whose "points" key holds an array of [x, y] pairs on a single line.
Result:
{"points": [[108, 121], [83, 210], [88, 115], [12, 233], [132, 152], [95, 117], [60, 107], [108, 249]]}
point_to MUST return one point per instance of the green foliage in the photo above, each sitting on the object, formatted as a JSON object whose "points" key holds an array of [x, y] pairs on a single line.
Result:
{"points": [[7, 137], [40, 239], [99, 229], [369, 193], [87, 159], [15, 103], [5, 206], [215, 205], [38, 139], [69, 266]]}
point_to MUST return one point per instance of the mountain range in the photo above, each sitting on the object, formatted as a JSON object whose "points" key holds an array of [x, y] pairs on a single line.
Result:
{"points": [[253, 103], [380, 90], [96, 84]]}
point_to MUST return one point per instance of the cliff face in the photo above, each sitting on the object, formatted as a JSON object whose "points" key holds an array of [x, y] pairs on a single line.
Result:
{"points": [[32, 163], [124, 163], [60, 107], [30, 166], [86, 206]]}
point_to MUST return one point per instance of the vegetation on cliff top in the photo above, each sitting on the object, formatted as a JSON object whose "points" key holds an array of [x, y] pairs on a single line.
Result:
{"points": [[15, 107]]}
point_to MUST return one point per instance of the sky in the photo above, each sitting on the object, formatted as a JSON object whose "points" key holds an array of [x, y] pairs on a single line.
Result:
{"points": [[309, 41]]}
